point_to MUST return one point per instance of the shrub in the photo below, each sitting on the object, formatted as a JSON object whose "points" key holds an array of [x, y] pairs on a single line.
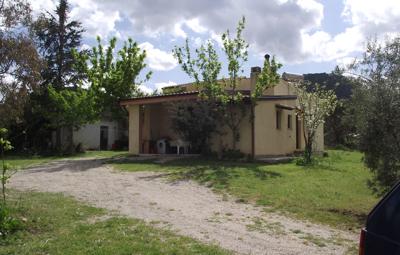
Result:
{"points": [[232, 154], [8, 223]]}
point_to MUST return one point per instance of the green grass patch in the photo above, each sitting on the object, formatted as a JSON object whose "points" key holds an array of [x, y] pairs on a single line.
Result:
{"points": [[55, 224], [333, 191]]}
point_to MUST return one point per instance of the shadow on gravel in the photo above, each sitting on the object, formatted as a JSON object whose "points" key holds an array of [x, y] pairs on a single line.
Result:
{"points": [[209, 172], [75, 165]]}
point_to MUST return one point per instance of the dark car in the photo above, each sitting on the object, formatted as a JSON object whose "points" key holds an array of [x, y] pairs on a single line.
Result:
{"points": [[381, 234]]}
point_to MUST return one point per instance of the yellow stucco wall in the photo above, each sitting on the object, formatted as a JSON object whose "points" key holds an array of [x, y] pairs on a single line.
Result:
{"points": [[268, 139], [134, 143], [160, 122], [156, 124], [319, 139], [224, 141], [283, 88]]}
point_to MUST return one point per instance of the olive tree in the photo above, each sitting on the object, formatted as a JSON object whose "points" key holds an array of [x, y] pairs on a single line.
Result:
{"points": [[378, 73]]}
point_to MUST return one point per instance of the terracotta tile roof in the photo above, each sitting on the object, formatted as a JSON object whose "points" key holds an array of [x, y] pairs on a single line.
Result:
{"points": [[157, 98]]}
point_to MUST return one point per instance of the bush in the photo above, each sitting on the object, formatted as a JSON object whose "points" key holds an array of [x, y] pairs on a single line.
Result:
{"points": [[300, 161], [231, 154], [195, 122], [8, 224]]}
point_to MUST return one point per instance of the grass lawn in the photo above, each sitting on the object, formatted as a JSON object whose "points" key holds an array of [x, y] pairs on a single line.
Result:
{"points": [[333, 192], [55, 224], [25, 161]]}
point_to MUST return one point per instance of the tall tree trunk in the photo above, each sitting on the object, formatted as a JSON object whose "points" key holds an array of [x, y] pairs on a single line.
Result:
{"points": [[309, 138]]}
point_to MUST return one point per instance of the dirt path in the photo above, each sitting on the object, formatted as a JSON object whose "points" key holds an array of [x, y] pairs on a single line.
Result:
{"points": [[186, 207]]}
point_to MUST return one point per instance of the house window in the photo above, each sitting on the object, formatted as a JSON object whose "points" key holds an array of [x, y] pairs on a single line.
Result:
{"points": [[278, 119], [289, 121]]}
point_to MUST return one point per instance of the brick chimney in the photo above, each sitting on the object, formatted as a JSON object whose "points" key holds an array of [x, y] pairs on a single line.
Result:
{"points": [[255, 71]]}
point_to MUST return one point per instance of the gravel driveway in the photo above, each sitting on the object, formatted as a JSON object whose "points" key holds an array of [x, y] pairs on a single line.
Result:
{"points": [[185, 207]]}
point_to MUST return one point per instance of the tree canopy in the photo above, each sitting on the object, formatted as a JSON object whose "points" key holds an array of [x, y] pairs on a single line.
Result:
{"points": [[110, 76], [379, 111], [204, 66], [57, 37]]}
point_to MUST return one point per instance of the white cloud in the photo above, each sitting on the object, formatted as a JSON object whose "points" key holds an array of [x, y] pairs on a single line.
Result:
{"points": [[145, 89], [377, 12], [157, 59], [365, 19], [95, 19], [290, 29], [321, 46], [39, 6], [194, 25], [272, 26], [197, 41], [217, 38], [178, 31], [160, 85], [345, 62]]}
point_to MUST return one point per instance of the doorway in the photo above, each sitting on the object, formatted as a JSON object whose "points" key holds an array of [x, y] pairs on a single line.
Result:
{"points": [[103, 137]]}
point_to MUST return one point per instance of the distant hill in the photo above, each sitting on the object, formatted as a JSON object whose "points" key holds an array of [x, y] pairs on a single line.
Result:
{"points": [[337, 82]]}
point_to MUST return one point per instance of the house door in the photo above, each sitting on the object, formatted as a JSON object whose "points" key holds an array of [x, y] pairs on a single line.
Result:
{"points": [[298, 133], [103, 137]]}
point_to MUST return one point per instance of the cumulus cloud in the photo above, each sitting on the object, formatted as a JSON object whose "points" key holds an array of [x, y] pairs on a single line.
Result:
{"points": [[366, 19], [96, 19], [194, 25], [39, 6], [272, 26], [321, 46], [157, 59], [160, 85], [178, 31], [145, 89], [346, 62], [290, 29]]}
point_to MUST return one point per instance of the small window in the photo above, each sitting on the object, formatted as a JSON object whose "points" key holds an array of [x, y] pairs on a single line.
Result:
{"points": [[289, 121], [278, 119]]}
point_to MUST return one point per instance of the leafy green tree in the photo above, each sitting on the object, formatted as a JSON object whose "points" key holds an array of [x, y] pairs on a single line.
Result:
{"points": [[57, 38], [314, 107], [5, 145], [112, 77], [236, 51], [340, 128], [8, 223], [19, 62], [205, 69], [379, 75], [70, 109]]}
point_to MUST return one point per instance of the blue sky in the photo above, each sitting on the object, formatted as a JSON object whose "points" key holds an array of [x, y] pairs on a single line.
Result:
{"points": [[307, 36]]}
